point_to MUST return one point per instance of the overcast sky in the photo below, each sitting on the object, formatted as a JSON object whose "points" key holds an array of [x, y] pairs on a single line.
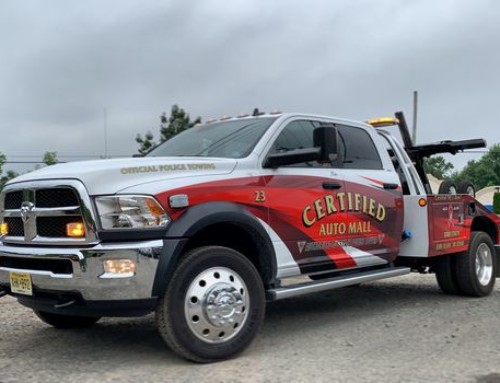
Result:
{"points": [[62, 63]]}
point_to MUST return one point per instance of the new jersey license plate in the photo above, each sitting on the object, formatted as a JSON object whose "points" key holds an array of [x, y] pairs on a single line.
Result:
{"points": [[20, 283]]}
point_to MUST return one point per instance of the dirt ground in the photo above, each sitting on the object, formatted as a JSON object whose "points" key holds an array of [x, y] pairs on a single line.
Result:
{"points": [[402, 329]]}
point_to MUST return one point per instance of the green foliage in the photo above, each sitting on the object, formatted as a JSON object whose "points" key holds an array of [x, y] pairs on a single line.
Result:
{"points": [[50, 158], [145, 143], [2, 161], [496, 203], [483, 172], [9, 175], [438, 167], [177, 122]]}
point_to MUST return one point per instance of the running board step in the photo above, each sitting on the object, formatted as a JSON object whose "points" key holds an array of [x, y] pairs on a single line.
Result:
{"points": [[334, 283]]}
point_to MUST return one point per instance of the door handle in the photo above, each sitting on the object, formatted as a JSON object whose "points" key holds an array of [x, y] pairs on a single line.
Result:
{"points": [[331, 185], [391, 186]]}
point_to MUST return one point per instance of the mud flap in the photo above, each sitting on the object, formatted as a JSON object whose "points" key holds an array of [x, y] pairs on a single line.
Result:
{"points": [[497, 251]]}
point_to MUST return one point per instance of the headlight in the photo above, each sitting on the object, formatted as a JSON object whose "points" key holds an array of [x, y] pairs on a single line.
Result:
{"points": [[130, 212]]}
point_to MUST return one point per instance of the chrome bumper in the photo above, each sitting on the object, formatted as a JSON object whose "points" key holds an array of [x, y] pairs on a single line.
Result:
{"points": [[88, 277]]}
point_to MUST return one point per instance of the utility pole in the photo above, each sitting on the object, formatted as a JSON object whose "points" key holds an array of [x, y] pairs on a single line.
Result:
{"points": [[105, 133], [415, 105]]}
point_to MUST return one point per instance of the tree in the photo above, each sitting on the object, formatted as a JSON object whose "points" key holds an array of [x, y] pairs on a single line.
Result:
{"points": [[483, 172], [177, 122], [9, 175], [438, 167], [50, 158], [496, 203], [146, 143]]}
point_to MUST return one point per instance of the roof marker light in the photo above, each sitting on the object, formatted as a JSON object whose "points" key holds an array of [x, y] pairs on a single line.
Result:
{"points": [[382, 122]]}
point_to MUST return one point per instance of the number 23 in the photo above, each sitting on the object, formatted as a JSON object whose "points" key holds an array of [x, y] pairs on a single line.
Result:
{"points": [[260, 196]]}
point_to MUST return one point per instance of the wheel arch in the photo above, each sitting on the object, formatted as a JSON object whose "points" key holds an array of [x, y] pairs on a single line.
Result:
{"points": [[484, 224], [487, 226], [219, 224]]}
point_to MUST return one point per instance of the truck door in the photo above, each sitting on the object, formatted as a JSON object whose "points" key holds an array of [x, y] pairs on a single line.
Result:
{"points": [[304, 210], [373, 197]]}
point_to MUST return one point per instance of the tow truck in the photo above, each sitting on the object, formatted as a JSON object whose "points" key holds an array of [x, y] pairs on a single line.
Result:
{"points": [[225, 216]]}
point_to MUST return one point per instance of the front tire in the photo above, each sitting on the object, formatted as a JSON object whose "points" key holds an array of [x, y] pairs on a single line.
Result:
{"points": [[61, 321], [214, 305], [477, 267]]}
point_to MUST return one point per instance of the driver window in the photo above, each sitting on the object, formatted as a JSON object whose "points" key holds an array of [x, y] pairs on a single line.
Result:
{"points": [[296, 135]]}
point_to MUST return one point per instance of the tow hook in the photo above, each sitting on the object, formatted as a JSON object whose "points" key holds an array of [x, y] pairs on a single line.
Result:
{"points": [[65, 304]]}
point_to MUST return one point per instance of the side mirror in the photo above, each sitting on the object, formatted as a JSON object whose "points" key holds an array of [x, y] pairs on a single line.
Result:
{"points": [[291, 157], [325, 137]]}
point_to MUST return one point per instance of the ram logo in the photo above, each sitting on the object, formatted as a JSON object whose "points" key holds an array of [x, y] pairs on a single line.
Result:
{"points": [[26, 208]]}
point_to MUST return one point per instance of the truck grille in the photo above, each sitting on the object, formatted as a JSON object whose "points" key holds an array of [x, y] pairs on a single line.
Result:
{"points": [[14, 200], [16, 227], [39, 213], [54, 227]]}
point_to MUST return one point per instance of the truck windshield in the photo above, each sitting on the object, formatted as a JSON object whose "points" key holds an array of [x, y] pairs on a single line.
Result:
{"points": [[229, 139]]}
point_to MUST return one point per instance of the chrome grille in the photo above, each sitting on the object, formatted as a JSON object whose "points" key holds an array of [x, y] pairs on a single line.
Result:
{"points": [[54, 227], [16, 226], [14, 200], [37, 213], [57, 197]]}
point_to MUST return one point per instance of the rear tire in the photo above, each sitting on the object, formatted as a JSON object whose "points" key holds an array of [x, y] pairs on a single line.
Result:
{"points": [[213, 306], [466, 188], [477, 267], [447, 187], [446, 276], [61, 321]]}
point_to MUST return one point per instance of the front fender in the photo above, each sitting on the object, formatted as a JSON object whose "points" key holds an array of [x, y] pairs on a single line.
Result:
{"points": [[200, 217]]}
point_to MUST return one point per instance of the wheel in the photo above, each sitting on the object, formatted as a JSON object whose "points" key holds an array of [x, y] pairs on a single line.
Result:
{"points": [[466, 188], [447, 187], [446, 276], [65, 321], [476, 268], [213, 306]]}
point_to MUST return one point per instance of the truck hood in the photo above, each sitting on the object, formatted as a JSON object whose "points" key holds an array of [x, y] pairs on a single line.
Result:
{"points": [[114, 175]]}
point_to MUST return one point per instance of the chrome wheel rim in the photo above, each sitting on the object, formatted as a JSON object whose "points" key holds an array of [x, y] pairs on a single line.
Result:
{"points": [[484, 264], [216, 305]]}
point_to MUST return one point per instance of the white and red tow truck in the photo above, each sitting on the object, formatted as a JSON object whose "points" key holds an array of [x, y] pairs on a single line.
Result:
{"points": [[212, 223]]}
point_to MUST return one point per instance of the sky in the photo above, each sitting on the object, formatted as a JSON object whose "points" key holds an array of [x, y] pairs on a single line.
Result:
{"points": [[82, 78]]}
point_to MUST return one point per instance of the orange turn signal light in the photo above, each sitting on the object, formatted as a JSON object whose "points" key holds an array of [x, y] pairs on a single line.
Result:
{"points": [[4, 228], [75, 230], [422, 202]]}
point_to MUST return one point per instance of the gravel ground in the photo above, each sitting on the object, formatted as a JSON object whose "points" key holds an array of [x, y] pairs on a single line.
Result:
{"points": [[402, 329]]}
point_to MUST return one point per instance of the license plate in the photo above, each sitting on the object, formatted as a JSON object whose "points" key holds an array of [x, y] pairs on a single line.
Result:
{"points": [[20, 283]]}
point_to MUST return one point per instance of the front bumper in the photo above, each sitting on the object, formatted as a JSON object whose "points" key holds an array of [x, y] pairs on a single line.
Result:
{"points": [[85, 279]]}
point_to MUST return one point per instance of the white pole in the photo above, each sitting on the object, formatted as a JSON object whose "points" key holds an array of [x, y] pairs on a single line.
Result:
{"points": [[415, 105], [105, 133]]}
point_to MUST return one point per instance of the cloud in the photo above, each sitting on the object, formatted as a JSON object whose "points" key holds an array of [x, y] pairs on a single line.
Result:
{"points": [[64, 63]]}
